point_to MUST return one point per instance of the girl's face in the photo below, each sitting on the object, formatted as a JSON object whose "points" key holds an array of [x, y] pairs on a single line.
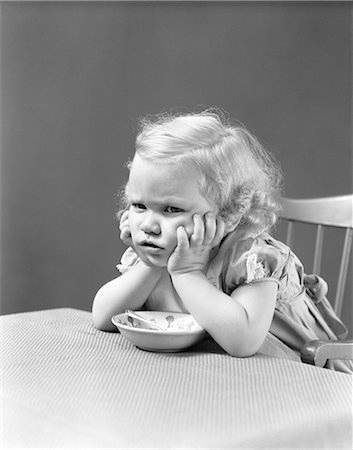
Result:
{"points": [[162, 197]]}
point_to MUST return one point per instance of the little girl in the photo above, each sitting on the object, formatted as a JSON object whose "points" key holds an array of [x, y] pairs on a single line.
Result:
{"points": [[200, 198]]}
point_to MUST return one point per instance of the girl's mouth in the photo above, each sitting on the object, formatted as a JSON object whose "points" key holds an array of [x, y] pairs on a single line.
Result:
{"points": [[151, 245]]}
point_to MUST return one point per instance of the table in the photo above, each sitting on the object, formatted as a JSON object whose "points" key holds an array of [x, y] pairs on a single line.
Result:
{"points": [[67, 385]]}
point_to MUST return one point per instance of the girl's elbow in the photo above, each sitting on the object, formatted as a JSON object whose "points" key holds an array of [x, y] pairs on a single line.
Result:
{"points": [[243, 349], [240, 352], [99, 319], [101, 324], [98, 323]]}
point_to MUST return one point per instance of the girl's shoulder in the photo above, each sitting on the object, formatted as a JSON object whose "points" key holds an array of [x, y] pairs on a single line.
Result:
{"points": [[245, 259], [238, 246]]}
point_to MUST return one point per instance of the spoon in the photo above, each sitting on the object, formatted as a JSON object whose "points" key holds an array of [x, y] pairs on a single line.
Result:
{"points": [[141, 319]]}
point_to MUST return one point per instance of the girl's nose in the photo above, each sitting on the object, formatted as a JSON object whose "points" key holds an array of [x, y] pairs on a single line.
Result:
{"points": [[150, 225]]}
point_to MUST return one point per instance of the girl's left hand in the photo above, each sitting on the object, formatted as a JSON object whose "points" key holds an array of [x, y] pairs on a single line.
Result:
{"points": [[192, 253]]}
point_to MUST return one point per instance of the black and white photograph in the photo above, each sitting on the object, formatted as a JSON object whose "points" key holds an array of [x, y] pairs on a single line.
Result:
{"points": [[176, 224]]}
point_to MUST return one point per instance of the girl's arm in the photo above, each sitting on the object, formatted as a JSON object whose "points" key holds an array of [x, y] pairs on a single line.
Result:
{"points": [[128, 291], [239, 322]]}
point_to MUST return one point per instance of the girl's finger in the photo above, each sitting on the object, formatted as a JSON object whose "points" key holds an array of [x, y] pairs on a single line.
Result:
{"points": [[125, 216], [182, 239], [123, 225], [199, 230], [220, 230], [124, 219], [210, 228], [125, 231]]}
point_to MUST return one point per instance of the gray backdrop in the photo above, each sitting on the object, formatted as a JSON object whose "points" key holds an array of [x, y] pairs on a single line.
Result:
{"points": [[75, 78]]}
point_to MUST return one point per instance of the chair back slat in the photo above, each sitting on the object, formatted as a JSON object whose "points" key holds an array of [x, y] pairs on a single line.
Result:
{"points": [[334, 211], [342, 275], [323, 212], [289, 237], [318, 249]]}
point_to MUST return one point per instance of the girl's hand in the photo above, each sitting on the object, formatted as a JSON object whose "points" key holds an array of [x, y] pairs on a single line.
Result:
{"points": [[192, 254], [125, 233]]}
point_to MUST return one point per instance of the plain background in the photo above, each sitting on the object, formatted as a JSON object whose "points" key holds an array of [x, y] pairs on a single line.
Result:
{"points": [[77, 76]]}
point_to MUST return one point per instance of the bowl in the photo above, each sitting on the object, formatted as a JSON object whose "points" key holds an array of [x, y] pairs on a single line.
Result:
{"points": [[178, 330]]}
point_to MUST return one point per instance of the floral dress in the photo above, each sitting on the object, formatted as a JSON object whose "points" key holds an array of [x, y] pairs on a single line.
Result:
{"points": [[302, 312]]}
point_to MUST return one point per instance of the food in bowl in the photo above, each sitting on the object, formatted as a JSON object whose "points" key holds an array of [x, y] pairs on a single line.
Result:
{"points": [[159, 331]]}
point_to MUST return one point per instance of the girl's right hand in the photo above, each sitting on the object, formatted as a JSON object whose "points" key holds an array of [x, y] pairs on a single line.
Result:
{"points": [[124, 226]]}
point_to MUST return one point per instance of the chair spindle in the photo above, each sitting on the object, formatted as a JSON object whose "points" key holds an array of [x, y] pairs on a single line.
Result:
{"points": [[289, 238], [341, 283], [318, 249]]}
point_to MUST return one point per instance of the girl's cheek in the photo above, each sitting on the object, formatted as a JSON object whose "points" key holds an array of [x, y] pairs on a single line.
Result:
{"points": [[187, 223], [169, 231]]}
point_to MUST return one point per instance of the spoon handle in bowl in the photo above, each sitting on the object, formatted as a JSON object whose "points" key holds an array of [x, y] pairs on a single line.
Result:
{"points": [[150, 323]]}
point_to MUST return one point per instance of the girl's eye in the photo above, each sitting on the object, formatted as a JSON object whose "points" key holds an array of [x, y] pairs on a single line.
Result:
{"points": [[138, 206], [173, 210]]}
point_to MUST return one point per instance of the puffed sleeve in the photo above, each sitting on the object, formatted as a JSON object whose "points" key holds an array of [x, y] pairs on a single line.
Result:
{"points": [[128, 260], [255, 260]]}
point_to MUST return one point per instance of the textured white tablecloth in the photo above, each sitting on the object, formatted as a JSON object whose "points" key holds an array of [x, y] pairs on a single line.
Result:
{"points": [[67, 385]]}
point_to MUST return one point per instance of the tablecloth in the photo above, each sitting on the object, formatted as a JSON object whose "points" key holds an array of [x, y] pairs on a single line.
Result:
{"points": [[67, 385]]}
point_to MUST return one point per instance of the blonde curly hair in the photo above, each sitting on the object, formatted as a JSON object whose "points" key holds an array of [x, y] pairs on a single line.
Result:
{"points": [[235, 171]]}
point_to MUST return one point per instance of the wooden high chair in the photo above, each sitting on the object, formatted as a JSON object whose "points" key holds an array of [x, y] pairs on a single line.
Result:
{"points": [[322, 213]]}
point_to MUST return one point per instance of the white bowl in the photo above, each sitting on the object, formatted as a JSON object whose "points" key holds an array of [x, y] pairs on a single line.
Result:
{"points": [[179, 331]]}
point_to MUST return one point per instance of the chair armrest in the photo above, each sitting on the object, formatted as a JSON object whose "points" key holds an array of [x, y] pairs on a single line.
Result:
{"points": [[318, 352]]}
